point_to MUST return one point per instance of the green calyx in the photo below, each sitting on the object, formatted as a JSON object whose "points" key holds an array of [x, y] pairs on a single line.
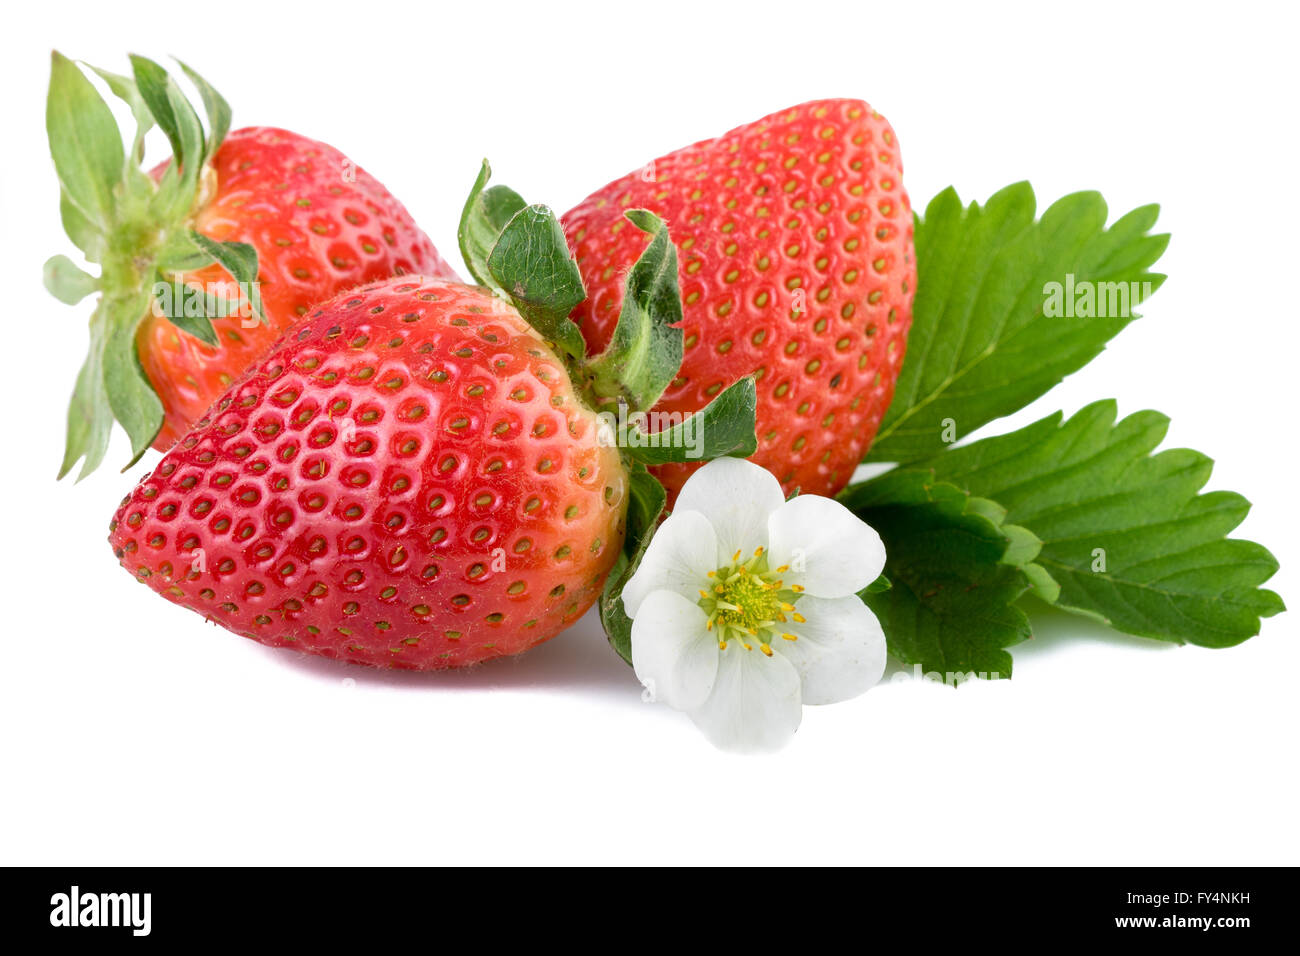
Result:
{"points": [[519, 251], [137, 230]]}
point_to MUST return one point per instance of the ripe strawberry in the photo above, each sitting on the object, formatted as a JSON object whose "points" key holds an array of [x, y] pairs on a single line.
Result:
{"points": [[319, 226], [408, 480], [289, 217], [797, 266]]}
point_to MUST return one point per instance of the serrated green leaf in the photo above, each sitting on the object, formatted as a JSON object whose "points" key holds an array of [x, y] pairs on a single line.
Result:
{"points": [[486, 213], [645, 351], [86, 146], [725, 426], [950, 607], [980, 345], [66, 282], [1125, 533], [531, 264], [646, 502]]}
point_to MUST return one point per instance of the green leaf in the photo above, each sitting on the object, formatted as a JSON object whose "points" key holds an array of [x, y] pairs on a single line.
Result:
{"points": [[180, 123], [198, 326], [950, 607], [193, 155], [646, 502], [130, 394], [878, 586], [218, 110], [138, 231], [66, 282], [124, 88], [1125, 533], [85, 235], [645, 351], [240, 260], [486, 213], [981, 345], [152, 83], [531, 264], [189, 308], [86, 146], [90, 419], [112, 385], [725, 426], [180, 254]]}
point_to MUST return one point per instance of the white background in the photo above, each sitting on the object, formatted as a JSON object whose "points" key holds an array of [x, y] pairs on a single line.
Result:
{"points": [[134, 733]]}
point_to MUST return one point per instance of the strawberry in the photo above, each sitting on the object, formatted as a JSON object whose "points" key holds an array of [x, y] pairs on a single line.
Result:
{"points": [[291, 220], [416, 476], [408, 479], [332, 228], [797, 267]]}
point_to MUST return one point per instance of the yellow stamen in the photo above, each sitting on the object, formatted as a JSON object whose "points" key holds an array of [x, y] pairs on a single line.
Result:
{"points": [[766, 649], [758, 551], [736, 556], [790, 637], [797, 588], [722, 645], [800, 619], [782, 569], [784, 606]]}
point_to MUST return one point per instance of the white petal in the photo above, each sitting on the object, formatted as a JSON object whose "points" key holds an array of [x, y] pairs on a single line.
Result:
{"points": [[673, 654], [830, 550], [755, 704], [681, 554], [839, 651], [737, 496]]}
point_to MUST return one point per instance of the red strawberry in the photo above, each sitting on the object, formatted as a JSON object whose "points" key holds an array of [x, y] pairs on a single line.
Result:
{"points": [[291, 218], [408, 479], [796, 266], [319, 225]]}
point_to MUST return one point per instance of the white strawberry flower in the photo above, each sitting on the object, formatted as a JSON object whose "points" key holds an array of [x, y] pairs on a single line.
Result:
{"points": [[744, 607]]}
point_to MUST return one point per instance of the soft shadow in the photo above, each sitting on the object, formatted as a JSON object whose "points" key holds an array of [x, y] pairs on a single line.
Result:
{"points": [[1055, 629], [577, 659]]}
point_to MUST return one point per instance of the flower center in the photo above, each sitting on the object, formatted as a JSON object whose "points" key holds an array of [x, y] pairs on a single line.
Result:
{"points": [[749, 604]]}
